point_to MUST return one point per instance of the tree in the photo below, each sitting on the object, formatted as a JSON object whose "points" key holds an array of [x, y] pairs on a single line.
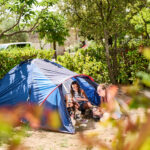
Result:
{"points": [[141, 21], [15, 38], [24, 14], [105, 21], [52, 28]]}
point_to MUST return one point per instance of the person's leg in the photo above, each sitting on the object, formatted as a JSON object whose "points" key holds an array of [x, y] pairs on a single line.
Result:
{"points": [[76, 109], [76, 105], [82, 107]]}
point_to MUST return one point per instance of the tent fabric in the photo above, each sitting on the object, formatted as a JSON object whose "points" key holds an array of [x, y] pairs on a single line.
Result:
{"points": [[90, 91], [42, 82]]}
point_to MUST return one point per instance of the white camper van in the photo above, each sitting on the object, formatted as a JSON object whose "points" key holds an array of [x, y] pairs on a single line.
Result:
{"points": [[12, 45]]}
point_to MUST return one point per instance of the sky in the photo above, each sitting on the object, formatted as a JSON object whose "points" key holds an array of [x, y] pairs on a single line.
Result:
{"points": [[54, 8]]}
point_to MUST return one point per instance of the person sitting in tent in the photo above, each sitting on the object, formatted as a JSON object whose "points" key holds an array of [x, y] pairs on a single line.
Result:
{"points": [[79, 97]]}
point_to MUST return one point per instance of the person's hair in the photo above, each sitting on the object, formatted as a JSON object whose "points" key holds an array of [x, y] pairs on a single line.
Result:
{"points": [[72, 91], [104, 86]]}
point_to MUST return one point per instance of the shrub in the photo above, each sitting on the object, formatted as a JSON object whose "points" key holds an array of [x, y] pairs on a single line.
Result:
{"points": [[83, 62], [11, 58], [130, 65], [92, 61]]}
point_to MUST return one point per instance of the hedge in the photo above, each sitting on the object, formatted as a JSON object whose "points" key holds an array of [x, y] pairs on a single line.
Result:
{"points": [[11, 58]]}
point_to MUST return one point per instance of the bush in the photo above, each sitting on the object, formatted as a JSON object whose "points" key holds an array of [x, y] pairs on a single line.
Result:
{"points": [[130, 65], [92, 62], [11, 58], [86, 62]]}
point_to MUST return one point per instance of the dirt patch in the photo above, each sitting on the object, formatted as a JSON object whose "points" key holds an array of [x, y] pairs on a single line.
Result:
{"points": [[45, 140]]}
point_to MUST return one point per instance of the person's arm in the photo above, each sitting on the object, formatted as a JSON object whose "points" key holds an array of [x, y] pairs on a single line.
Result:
{"points": [[111, 102], [84, 97], [68, 100]]}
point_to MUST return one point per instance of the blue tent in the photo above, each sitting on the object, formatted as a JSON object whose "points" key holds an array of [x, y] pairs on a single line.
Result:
{"points": [[42, 82]]}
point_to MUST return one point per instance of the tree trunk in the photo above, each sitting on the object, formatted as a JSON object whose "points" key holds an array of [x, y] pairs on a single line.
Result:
{"points": [[54, 46], [110, 69], [146, 30], [114, 59]]}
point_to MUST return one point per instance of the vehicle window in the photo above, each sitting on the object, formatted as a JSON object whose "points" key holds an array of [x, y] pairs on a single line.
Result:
{"points": [[22, 45]]}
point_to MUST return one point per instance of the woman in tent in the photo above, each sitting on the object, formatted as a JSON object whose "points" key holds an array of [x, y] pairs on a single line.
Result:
{"points": [[79, 97]]}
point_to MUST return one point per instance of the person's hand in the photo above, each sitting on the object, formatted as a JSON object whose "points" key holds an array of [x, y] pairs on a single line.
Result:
{"points": [[79, 99]]}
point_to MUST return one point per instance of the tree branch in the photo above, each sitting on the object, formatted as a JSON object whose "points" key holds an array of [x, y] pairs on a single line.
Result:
{"points": [[100, 5], [2, 34], [76, 12], [108, 8], [22, 31]]}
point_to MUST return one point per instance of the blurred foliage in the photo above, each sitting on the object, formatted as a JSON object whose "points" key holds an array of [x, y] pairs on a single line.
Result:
{"points": [[12, 57], [133, 131], [14, 122]]}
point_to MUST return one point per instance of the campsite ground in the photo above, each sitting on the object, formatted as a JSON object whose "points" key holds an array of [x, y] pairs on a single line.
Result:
{"points": [[46, 140]]}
